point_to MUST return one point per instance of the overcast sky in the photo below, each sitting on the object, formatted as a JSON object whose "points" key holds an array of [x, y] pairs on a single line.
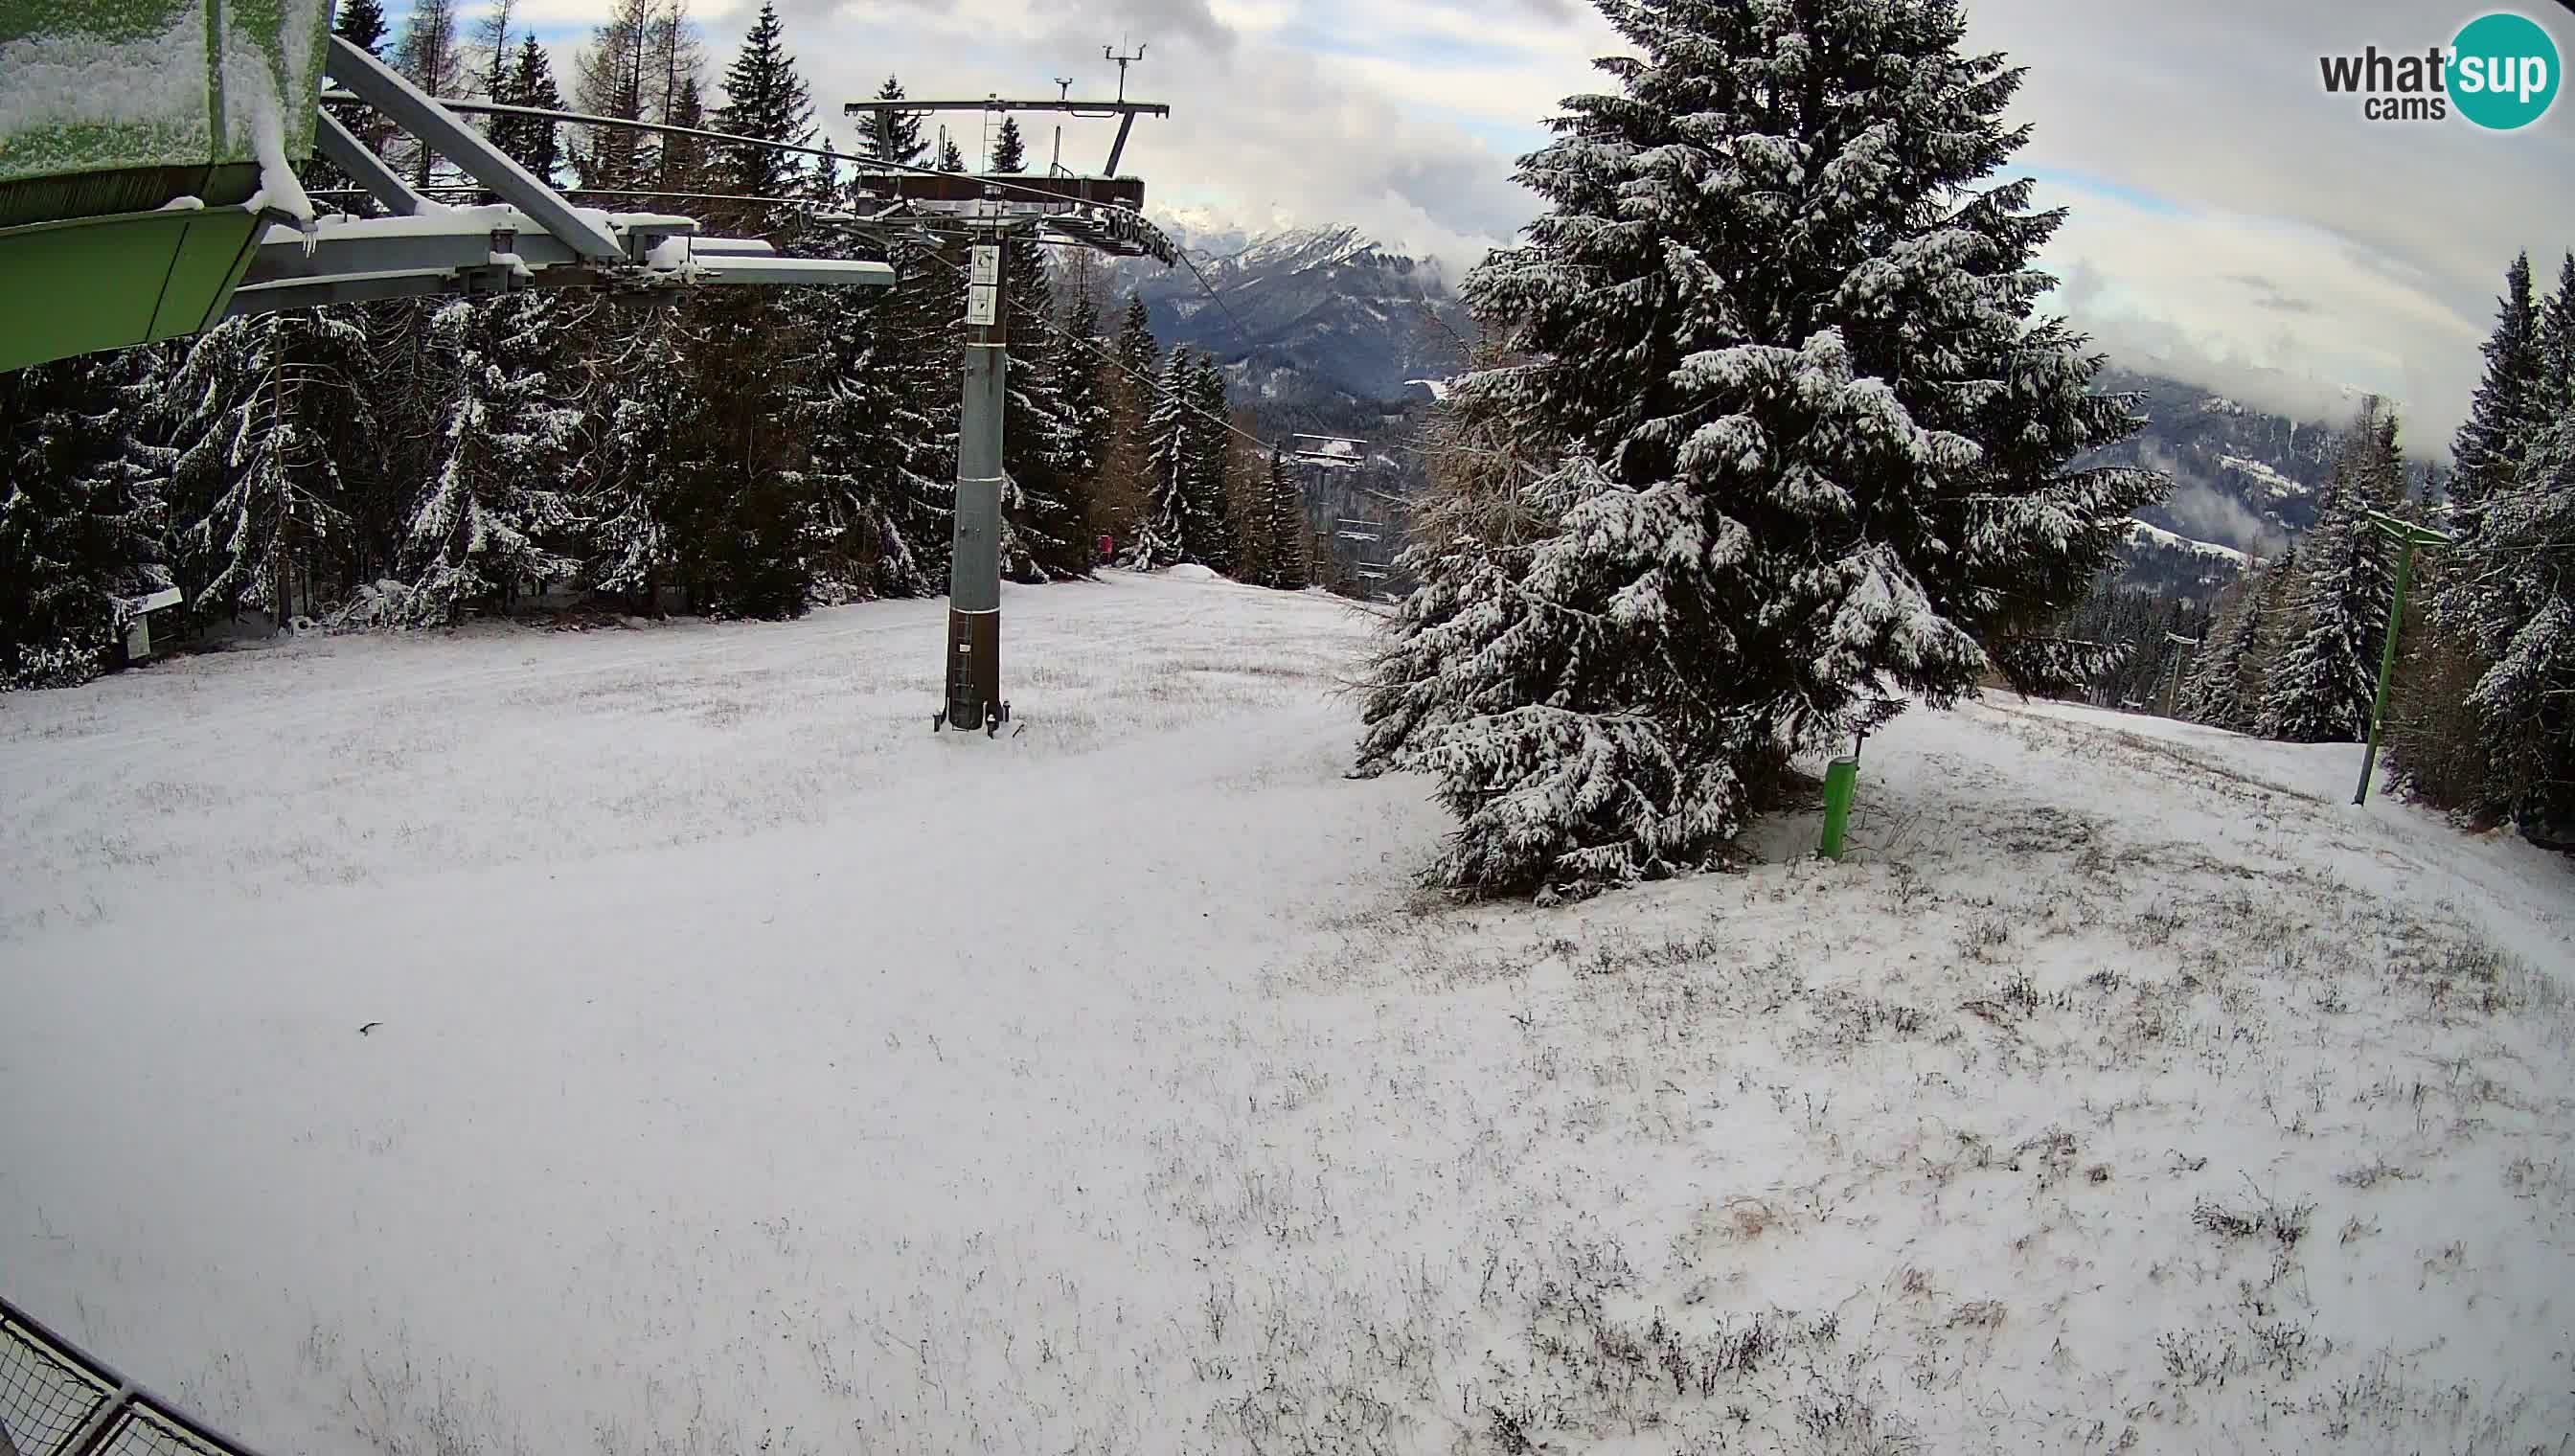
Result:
{"points": [[2230, 219]]}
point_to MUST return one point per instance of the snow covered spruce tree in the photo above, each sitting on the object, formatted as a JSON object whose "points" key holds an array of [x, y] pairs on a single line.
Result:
{"points": [[2321, 688], [80, 514], [1048, 509], [2504, 590], [494, 514], [1121, 492], [1814, 443], [859, 430], [1208, 537], [1162, 531], [255, 487], [1282, 519]]}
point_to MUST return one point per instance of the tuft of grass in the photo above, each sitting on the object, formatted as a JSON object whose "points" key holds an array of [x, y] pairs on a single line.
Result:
{"points": [[2266, 1218]]}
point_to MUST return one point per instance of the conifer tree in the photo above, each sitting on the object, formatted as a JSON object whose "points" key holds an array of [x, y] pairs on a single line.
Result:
{"points": [[1816, 442], [2498, 431], [2513, 600], [860, 427], [534, 143], [915, 333], [682, 165], [81, 518], [362, 24], [1047, 509], [951, 159], [1284, 520], [2321, 689], [494, 517], [1208, 536], [1136, 350], [256, 486], [1161, 534], [1010, 149], [895, 137], [644, 455], [765, 98], [1084, 387], [2214, 691], [2556, 341]]}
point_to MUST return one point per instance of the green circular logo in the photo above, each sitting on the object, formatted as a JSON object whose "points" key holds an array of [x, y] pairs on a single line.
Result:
{"points": [[2503, 71]]}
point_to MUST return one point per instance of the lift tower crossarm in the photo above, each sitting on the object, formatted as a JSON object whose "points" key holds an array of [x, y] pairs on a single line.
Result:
{"points": [[1125, 111], [995, 103]]}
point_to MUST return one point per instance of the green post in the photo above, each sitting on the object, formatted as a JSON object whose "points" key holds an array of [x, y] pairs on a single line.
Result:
{"points": [[1839, 779], [2386, 666]]}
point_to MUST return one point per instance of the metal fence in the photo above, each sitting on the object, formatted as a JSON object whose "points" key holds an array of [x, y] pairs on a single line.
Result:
{"points": [[57, 1401]]}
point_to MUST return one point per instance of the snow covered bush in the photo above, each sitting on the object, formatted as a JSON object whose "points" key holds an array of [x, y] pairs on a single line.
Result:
{"points": [[1811, 443]]}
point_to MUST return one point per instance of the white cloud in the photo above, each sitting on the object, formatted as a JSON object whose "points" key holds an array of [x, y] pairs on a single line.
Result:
{"points": [[2234, 219]]}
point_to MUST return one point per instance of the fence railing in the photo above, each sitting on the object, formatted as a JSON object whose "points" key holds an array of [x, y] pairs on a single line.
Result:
{"points": [[57, 1401]]}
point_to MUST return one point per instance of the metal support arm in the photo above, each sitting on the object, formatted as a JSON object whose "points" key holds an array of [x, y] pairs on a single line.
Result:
{"points": [[350, 156], [439, 129]]}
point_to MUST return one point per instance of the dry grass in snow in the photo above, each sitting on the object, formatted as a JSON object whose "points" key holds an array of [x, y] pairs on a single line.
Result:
{"points": [[761, 1075]]}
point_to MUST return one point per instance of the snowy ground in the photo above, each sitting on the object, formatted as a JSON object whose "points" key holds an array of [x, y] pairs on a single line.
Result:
{"points": [[760, 1073]]}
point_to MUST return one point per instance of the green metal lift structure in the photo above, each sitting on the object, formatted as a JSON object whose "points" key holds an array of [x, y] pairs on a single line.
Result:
{"points": [[148, 187]]}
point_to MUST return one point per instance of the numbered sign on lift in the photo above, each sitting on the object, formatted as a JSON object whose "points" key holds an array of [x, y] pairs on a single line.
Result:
{"points": [[983, 288]]}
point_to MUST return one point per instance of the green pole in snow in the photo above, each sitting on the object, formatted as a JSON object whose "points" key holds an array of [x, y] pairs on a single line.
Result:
{"points": [[2407, 536], [1841, 778]]}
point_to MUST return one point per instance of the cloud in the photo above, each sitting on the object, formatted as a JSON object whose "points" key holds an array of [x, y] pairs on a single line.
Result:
{"points": [[2230, 213], [2206, 511]]}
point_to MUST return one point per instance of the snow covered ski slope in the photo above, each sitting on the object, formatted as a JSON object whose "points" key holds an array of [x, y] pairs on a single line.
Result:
{"points": [[753, 1072]]}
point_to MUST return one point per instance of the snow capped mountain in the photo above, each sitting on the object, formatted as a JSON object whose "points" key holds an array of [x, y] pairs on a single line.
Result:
{"points": [[1306, 315]]}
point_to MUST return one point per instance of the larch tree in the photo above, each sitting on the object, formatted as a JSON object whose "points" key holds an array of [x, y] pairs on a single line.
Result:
{"points": [[1123, 489], [1816, 442], [488, 57], [431, 55]]}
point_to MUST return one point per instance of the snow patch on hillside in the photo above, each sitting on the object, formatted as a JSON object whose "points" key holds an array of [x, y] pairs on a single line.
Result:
{"points": [[758, 1071], [2262, 477], [2139, 531]]}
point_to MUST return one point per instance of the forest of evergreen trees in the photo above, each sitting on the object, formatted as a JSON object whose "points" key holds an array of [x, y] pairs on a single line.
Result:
{"points": [[2481, 713], [742, 452]]}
